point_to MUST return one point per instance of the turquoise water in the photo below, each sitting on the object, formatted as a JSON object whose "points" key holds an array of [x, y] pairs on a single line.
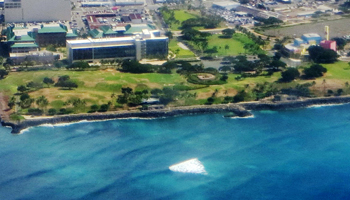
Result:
{"points": [[296, 154]]}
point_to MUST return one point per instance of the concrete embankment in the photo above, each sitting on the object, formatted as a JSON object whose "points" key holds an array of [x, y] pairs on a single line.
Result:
{"points": [[295, 104], [241, 110], [238, 110]]}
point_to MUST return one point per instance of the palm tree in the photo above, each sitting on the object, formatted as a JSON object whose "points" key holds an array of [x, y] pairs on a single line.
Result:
{"points": [[42, 102]]}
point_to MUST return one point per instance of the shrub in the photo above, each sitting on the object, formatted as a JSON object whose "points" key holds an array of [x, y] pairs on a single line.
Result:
{"points": [[290, 74], [104, 108], [314, 71], [94, 108], [34, 111], [52, 111]]}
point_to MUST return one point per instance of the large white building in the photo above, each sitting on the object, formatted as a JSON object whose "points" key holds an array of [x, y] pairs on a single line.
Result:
{"points": [[149, 44], [37, 10]]}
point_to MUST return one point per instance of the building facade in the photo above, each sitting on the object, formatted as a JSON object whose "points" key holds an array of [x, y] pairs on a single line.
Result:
{"points": [[37, 10], [136, 47]]}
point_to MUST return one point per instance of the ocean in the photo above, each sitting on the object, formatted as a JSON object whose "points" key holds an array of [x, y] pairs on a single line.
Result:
{"points": [[294, 154]]}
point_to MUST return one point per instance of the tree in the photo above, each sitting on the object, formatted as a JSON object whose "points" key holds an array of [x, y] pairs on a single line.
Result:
{"points": [[104, 108], [227, 33], [227, 47], [78, 104], [320, 55], [48, 81], [210, 100], [42, 102], [225, 68], [156, 91], [169, 34], [202, 45], [63, 78], [51, 47], [290, 74], [240, 96], [224, 77], [341, 42], [189, 33], [275, 64], [314, 71], [52, 111], [133, 66], [21, 88], [94, 108], [26, 101], [81, 65], [68, 84], [3, 73]]}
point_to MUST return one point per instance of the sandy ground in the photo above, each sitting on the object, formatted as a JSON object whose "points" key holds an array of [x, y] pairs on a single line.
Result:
{"points": [[153, 62]]}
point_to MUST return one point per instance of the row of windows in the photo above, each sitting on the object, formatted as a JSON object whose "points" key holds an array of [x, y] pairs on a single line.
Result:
{"points": [[156, 47], [13, 5], [102, 53]]}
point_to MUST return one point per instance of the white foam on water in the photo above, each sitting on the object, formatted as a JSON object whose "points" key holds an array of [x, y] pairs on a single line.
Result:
{"points": [[324, 105], [193, 166]]}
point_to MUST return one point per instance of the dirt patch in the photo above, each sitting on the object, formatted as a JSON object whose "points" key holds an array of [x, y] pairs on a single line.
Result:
{"points": [[206, 76], [4, 109]]}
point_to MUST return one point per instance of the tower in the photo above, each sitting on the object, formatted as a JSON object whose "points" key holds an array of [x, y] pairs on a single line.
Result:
{"points": [[326, 29]]}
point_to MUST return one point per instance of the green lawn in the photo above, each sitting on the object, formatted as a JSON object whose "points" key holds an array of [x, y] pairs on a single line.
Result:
{"points": [[181, 15], [235, 47], [235, 44], [180, 52], [96, 87]]}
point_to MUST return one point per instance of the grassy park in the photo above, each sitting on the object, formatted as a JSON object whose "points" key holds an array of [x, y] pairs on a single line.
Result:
{"points": [[96, 87], [235, 46]]}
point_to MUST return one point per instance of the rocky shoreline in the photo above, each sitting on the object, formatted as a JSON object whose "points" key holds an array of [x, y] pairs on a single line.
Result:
{"points": [[240, 109]]}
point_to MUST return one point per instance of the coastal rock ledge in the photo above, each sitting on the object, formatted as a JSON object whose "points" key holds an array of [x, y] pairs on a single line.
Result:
{"points": [[239, 109], [168, 112]]}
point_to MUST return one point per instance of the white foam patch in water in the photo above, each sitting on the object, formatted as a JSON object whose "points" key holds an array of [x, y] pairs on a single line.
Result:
{"points": [[189, 166]]}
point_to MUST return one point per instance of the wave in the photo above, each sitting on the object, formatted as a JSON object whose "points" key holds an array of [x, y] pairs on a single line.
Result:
{"points": [[324, 105]]}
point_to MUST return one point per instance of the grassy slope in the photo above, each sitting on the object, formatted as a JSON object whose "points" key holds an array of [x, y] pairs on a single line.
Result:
{"points": [[97, 86], [182, 52]]}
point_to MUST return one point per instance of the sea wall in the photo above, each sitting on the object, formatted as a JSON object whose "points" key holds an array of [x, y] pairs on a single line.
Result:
{"points": [[295, 104], [241, 110], [238, 110]]}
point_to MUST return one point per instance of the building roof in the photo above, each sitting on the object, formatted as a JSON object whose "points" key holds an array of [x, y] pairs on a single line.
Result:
{"points": [[309, 35], [24, 45], [96, 33], [57, 29], [135, 16], [125, 19], [22, 38], [70, 35], [107, 30], [226, 3], [133, 29]]}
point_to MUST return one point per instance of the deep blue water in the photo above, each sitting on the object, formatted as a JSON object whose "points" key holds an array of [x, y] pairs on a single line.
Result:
{"points": [[295, 154]]}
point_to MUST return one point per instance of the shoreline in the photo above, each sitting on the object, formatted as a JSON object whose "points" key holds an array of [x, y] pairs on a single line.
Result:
{"points": [[242, 110]]}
